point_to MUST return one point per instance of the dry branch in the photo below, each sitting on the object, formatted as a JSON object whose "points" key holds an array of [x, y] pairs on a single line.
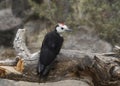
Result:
{"points": [[100, 68], [9, 69]]}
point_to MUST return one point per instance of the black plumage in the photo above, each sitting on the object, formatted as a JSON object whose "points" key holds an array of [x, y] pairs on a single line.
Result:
{"points": [[51, 46]]}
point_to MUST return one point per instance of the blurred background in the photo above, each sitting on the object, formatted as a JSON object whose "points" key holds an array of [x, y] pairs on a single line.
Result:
{"points": [[95, 23]]}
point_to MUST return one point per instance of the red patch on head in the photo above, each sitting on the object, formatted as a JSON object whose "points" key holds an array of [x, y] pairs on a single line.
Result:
{"points": [[62, 24]]}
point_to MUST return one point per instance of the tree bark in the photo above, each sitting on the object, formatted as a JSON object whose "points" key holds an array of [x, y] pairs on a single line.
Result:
{"points": [[100, 69]]}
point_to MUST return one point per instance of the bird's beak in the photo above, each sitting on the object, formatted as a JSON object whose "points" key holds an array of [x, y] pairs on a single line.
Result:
{"points": [[69, 30]]}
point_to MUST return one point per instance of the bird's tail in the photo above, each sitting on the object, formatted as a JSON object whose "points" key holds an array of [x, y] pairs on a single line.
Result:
{"points": [[40, 70], [43, 72]]}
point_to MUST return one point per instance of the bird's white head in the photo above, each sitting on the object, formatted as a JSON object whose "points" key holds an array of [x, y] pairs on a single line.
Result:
{"points": [[60, 28]]}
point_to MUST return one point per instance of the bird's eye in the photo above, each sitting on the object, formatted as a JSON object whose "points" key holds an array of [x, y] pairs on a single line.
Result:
{"points": [[62, 28]]}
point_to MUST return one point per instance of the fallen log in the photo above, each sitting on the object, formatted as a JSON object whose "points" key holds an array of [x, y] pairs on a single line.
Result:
{"points": [[99, 69]]}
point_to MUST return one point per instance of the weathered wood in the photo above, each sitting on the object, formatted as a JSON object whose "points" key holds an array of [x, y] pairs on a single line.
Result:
{"points": [[99, 68], [15, 67], [117, 50]]}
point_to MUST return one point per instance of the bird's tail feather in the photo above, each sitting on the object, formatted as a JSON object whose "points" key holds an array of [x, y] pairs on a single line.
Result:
{"points": [[43, 71], [40, 70]]}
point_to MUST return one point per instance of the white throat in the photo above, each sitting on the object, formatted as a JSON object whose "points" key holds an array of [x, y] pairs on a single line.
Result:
{"points": [[61, 34]]}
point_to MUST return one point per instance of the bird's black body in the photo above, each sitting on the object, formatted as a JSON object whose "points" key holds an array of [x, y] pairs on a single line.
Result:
{"points": [[51, 46]]}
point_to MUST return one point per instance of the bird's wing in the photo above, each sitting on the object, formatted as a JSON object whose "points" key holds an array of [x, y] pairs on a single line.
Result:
{"points": [[49, 42], [59, 46]]}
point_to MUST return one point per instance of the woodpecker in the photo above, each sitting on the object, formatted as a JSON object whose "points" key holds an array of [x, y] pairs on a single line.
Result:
{"points": [[50, 48]]}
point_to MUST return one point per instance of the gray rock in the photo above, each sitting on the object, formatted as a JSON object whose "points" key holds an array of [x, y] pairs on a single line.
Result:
{"points": [[8, 26], [85, 39], [4, 82], [7, 20], [59, 83], [20, 8]]}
